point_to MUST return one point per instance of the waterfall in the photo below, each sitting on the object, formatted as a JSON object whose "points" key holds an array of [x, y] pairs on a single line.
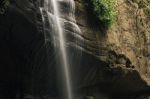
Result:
{"points": [[57, 18], [63, 52]]}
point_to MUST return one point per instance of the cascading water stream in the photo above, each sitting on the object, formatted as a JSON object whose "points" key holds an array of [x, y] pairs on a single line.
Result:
{"points": [[63, 52], [54, 14]]}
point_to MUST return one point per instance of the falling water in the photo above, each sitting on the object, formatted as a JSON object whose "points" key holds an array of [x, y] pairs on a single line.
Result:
{"points": [[54, 15], [63, 53]]}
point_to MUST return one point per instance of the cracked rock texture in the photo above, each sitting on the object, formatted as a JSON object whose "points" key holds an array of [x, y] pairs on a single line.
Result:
{"points": [[126, 45]]}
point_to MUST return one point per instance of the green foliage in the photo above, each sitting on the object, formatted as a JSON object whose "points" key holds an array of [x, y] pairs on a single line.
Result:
{"points": [[105, 11]]}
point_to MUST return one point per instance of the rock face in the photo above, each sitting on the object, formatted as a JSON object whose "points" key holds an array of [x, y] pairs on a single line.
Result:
{"points": [[125, 47], [113, 64]]}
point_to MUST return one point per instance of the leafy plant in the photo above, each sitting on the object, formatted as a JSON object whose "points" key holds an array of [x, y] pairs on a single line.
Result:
{"points": [[104, 11]]}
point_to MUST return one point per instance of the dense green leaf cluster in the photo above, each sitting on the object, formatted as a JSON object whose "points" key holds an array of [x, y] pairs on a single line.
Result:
{"points": [[104, 11]]}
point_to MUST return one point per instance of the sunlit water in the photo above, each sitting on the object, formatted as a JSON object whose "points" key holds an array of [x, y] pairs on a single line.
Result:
{"points": [[55, 17], [63, 53]]}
